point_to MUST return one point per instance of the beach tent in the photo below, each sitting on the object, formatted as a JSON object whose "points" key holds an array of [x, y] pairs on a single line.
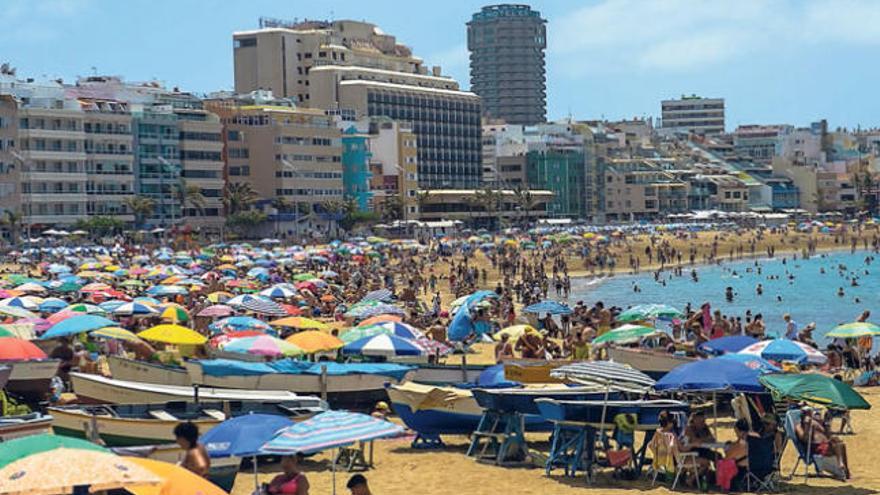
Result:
{"points": [[815, 388]]}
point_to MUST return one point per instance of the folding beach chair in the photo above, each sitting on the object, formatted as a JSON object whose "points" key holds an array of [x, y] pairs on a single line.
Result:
{"points": [[819, 463], [762, 470]]}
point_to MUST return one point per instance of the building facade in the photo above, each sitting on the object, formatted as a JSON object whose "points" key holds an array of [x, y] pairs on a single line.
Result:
{"points": [[693, 114], [506, 44], [356, 167]]}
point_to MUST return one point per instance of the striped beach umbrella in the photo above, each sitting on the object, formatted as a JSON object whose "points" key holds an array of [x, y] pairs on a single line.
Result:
{"points": [[329, 430], [264, 307], [383, 345], [785, 350], [278, 292], [175, 313], [135, 309], [262, 345], [604, 373], [216, 311]]}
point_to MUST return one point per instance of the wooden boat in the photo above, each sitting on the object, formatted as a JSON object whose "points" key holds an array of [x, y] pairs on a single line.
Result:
{"points": [[438, 410], [31, 379], [148, 424], [5, 373], [24, 425], [532, 371], [653, 363], [97, 389], [140, 371], [441, 374], [354, 390], [592, 411]]}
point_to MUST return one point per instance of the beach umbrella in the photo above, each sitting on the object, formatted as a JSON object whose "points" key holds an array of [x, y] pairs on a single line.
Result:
{"points": [[626, 334], [381, 295], [135, 309], [398, 329], [217, 310], [76, 325], [176, 480], [20, 302], [243, 436], [815, 388], [89, 309], [220, 297], [329, 430], [785, 350], [239, 323], [383, 345], [278, 292], [605, 373], [854, 330], [175, 313], [52, 304], [16, 312], [262, 345], [241, 299], [264, 307], [300, 322], [649, 312], [62, 469], [711, 375], [21, 447], [312, 341], [548, 307], [753, 362], [726, 344], [173, 334], [116, 333], [152, 301], [132, 283], [15, 349], [514, 332], [6, 333], [167, 290], [379, 319]]}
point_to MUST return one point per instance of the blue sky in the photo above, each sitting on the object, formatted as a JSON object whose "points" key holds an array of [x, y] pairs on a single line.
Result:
{"points": [[774, 60]]}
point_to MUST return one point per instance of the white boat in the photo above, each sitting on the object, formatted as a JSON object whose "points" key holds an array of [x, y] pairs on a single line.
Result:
{"points": [[343, 391], [24, 425], [223, 469], [147, 424], [140, 371], [652, 363], [102, 390], [31, 379]]}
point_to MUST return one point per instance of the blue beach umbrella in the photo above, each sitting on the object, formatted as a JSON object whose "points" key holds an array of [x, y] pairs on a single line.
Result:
{"points": [[243, 436], [135, 309], [76, 325], [52, 304], [728, 344], [329, 430], [785, 350], [238, 323], [548, 307], [711, 375], [493, 377], [753, 362]]}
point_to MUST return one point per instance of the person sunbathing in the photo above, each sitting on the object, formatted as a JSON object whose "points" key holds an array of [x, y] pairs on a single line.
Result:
{"points": [[811, 431]]}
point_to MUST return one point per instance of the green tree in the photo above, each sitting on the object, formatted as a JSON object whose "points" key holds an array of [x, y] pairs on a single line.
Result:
{"points": [[12, 219], [141, 207], [392, 208], [238, 197], [525, 201], [190, 196], [100, 226], [243, 222]]}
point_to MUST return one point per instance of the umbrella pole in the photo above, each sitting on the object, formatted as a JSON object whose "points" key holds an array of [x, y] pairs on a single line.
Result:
{"points": [[256, 476], [715, 413], [333, 461]]}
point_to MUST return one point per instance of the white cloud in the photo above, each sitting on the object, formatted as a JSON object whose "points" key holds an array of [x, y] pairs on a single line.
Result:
{"points": [[684, 35]]}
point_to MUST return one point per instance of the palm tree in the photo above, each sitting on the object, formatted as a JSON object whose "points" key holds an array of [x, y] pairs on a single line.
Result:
{"points": [[392, 208], [190, 196], [525, 201], [422, 199], [141, 207], [238, 197], [12, 219]]}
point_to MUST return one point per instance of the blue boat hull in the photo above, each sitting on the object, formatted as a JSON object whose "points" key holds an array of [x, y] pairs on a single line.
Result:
{"points": [[437, 422], [523, 402]]}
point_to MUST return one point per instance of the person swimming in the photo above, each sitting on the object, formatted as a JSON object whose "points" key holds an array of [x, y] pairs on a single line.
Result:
{"points": [[840, 292], [759, 290]]}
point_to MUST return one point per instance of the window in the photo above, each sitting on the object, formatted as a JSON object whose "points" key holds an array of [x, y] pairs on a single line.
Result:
{"points": [[233, 135], [244, 42]]}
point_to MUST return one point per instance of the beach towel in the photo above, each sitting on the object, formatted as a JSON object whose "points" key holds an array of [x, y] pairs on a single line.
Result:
{"points": [[726, 471], [663, 448]]}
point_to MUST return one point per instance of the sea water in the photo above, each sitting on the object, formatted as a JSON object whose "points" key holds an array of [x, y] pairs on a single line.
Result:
{"points": [[794, 286]]}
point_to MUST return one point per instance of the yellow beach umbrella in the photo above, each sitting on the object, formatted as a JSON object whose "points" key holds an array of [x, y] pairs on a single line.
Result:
{"points": [[299, 322], [117, 333], [173, 334], [175, 312], [312, 341], [515, 331], [60, 470], [220, 296], [175, 480]]}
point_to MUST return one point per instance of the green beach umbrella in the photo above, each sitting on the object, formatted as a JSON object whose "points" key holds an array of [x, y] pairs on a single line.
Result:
{"points": [[625, 333], [358, 333], [19, 448], [67, 287], [302, 277], [816, 388], [6, 333], [854, 330], [649, 311]]}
